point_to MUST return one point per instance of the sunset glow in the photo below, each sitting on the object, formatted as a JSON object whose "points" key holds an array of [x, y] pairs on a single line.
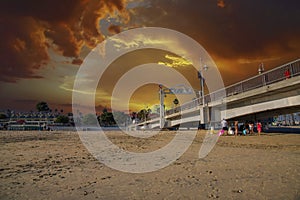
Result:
{"points": [[43, 44]]}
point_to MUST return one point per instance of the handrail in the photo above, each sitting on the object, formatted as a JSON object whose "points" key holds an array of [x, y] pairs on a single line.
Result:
{"points": [[266, 72], [256, 81]]}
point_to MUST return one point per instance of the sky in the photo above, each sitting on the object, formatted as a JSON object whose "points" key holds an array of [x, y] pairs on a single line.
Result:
{"points": [[44, 43]]}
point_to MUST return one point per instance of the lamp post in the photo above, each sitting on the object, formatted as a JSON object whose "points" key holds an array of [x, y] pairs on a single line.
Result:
{"points": [[261, 68], [201, 78]]}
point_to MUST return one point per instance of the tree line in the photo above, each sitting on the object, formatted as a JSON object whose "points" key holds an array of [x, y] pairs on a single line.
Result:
{"points": [[106, 118]]}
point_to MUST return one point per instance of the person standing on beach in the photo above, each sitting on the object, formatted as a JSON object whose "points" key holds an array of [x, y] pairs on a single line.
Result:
{"points": [[236, 127], [224, 126], [251, 127], [259, 126]]}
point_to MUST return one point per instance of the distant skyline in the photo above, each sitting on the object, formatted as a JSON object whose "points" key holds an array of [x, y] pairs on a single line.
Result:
{"points": [[43, 43]]}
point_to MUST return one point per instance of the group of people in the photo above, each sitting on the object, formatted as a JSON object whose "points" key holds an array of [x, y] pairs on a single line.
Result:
{"points": [[248, 127], [243, 129]]}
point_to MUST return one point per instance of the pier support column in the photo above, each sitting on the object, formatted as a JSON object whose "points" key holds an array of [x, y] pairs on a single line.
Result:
{"points": [[161, 107]]}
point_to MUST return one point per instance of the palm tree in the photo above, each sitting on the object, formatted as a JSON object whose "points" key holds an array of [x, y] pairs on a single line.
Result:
{"points": [[42, 107], [144, 114], [176, 102]]}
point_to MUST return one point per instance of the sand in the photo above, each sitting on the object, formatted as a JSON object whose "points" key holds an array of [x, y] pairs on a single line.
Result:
{"points": [[56, 165]]}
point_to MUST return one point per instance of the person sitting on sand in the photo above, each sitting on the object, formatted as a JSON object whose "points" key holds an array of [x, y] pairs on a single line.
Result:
{"points": [[230, 131], [247, 127], [244, 132]]}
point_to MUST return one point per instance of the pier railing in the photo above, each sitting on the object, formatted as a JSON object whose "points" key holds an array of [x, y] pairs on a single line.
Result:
{"points": [[272, 76]]}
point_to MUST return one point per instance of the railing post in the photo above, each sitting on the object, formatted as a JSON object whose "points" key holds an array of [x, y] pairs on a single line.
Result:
{"points": [[264, 80], [242, 88]]}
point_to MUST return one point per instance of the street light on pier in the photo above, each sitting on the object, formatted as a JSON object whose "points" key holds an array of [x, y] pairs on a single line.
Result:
{"points": [[261, 68], [201, 78]]}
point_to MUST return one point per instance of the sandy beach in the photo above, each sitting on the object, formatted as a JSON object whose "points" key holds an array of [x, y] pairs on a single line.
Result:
{"points": [[56, 165]]}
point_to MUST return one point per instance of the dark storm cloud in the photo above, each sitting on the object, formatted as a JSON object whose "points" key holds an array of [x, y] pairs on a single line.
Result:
{"points": [[227, 29], [231, 29], [29, 28], [77, 61]]}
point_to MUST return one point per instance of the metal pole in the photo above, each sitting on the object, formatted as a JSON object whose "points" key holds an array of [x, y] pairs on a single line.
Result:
{"points": [[200, 76], [202, 87], [203, 100]]}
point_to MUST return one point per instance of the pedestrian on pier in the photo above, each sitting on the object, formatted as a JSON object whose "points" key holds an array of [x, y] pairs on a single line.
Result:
{"points": [[287, 73]]}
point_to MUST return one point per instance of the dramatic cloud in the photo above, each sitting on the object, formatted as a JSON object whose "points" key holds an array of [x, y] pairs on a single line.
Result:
{"points": [[23, 48], [30, 28], [221, 3], [77, 61], [175, 61], [114, 29], [41, 40], [242, 29]]}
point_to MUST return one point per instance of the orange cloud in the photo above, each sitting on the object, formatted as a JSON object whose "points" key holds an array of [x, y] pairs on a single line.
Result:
{"points": [[24, 48], [175, 61], [77, 61], [114, 29], [221, 3], [30, 28]]}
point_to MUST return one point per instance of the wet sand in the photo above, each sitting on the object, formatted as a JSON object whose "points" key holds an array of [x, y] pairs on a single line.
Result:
{"points": [[56, 165]]}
